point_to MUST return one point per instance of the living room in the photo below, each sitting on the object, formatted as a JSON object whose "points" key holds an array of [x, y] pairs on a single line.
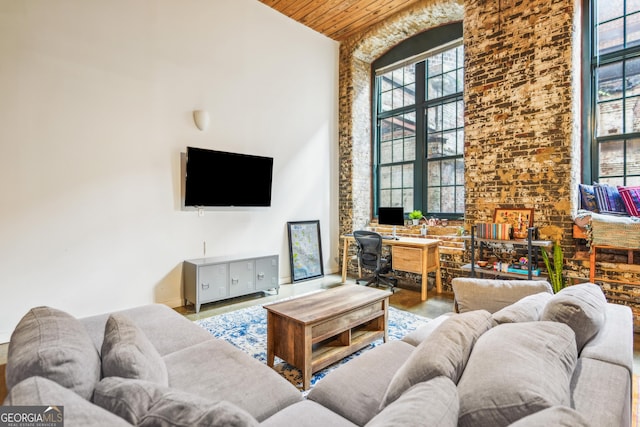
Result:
{"points": [[98, 102]]}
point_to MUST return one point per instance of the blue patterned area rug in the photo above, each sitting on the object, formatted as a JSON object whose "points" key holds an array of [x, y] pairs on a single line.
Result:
{"points": [[247, 330]]}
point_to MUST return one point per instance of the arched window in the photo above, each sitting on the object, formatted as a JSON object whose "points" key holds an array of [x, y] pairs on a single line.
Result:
{"points": [[418, 114]]}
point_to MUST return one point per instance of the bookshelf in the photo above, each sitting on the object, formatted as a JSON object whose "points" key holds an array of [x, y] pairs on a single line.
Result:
{"points": [[532, 246]]}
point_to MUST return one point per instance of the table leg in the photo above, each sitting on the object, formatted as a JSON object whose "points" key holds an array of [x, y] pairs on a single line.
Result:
{"points": [[345, 249], [592, 265], [270, 339], [308, 353], [438, 277]]}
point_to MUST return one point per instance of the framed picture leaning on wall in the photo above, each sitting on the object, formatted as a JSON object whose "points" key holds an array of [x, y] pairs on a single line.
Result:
{"points": [[305, 250]]}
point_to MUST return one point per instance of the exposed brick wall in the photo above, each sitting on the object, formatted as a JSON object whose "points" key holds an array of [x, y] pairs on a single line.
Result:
{"points": [[518, 111], [522, 115]]}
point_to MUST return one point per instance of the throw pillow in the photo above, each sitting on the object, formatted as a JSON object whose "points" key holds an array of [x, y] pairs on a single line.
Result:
{"points": [[528, 309], [146, 403], [53, 344], [631, 199], [515, 370], [588, 199], [439, 395], [76, 411], [128, 353], [582, 307], [443, 353], [609, 200]]}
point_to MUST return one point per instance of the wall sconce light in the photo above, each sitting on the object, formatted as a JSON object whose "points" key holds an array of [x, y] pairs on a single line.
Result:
{"points": [[201, 119]]}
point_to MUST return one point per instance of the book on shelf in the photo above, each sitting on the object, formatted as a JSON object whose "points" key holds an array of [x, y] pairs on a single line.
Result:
{"points": [[493, 231]]}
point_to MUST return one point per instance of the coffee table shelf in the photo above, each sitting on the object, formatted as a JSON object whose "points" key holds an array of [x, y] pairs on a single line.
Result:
{"points": [[313, 331]]}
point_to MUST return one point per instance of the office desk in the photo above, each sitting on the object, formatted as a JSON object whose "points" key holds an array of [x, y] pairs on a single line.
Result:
{"points": [[410, 254]]}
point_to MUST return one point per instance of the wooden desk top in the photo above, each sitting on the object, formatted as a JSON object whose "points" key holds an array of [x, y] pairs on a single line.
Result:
{"points": [[327, 304], [404, 241]]}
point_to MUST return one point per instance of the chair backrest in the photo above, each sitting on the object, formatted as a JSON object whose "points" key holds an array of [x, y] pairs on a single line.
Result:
{"points": [[369, 248]]}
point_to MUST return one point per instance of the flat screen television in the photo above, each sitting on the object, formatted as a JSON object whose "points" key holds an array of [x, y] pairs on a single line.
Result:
{"points": [[219, 178]]}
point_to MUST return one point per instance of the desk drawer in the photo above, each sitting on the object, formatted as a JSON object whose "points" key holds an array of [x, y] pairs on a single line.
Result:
{"points": [[406, 259]]}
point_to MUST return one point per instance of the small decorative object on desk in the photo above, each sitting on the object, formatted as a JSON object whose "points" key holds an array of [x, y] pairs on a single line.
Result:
{"points": [[415, 217]]}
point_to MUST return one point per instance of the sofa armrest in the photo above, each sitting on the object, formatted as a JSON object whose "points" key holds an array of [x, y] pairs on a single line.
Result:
{"points": [[614, 342], [492, 294]]}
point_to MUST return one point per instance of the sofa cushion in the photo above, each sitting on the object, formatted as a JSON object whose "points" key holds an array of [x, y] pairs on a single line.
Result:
{"points": [[493, 295], [631, 199], [355, 389], [515, 370], [306, 414], [582, 307], [439, 395], [77, 411], [556, 416], [528, 309], [216, 370], [444, 352], [595, 382], [53, 344], [127, 353], [419, 334], [146, 403]]}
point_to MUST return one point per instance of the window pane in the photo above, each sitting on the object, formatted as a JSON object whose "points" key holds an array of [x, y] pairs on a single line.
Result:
{"points": [[459, 172], [459, 199], [609, 82], [385, 152], [385, 178], [407, 176], [633, 30], [449, 116], [386, 103], [610, 36], [632, 111], [449, 143], [609, 9], [448, 199], [396, 176], [449, 83], [460, 146], [385, 198], [633, 157], [396, 198], [609, 118], [448, 172], [407, 199], [611, 155], [633, 6], [632, 77], [434, 199], [433, 173], [434, 87]]}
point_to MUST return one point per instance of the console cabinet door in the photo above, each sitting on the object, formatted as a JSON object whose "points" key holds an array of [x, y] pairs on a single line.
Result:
{"points": [[212, 282], [241, 277], [267, 273]]}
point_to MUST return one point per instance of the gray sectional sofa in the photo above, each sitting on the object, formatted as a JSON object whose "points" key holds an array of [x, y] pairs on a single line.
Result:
{"points": [[563, 359]]}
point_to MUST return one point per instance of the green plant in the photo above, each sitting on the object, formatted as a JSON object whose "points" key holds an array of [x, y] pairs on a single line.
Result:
{"points": [[415, 215], [555, 267]]}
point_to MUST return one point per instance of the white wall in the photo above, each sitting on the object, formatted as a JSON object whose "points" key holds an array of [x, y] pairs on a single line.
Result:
{"points": [[95, 109]]}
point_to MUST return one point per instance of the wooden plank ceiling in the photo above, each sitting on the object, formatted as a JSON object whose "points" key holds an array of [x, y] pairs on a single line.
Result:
{"points": [[338, 19]]}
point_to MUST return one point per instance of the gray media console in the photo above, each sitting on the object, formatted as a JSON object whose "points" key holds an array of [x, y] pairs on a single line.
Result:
{"points": [[214, 279]]}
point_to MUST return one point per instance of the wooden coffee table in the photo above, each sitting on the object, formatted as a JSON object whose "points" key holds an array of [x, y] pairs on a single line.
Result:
{"points": [[313, 331]]}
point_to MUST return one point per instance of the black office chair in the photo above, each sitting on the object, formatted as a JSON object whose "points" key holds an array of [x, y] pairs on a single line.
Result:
{"points": [[370, 257]]}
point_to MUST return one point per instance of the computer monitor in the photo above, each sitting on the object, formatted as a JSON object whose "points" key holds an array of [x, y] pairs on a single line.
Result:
{"points": [[391, 216]]}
